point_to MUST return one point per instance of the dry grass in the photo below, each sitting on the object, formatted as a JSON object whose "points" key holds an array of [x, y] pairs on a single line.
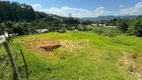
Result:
{"points": [[132, 62]]}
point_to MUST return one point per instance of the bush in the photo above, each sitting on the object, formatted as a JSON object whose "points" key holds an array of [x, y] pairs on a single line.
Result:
{"points": [[136, 27], [107, 31], [61, 30], [123, 26], [82, 28]]}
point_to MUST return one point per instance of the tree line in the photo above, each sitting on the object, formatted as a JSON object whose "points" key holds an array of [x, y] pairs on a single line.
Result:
{"points": [[22, 19], [129, 26]]}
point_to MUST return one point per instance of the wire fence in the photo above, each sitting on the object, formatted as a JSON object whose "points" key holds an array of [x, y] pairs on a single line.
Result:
{"points": [[6, 72]]}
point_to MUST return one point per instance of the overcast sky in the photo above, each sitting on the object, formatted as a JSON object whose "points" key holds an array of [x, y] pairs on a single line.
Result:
{"points": [[86, 8]]}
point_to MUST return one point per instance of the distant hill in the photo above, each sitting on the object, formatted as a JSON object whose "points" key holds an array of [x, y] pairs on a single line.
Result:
{"points": [[107, 17]]}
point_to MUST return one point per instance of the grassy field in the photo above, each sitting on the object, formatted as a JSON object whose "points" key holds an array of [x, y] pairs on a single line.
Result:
{"points": [[83, 56]]}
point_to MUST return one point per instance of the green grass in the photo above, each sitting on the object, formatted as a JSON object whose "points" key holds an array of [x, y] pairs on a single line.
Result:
{"points": [[100, 61], [105, 31]]}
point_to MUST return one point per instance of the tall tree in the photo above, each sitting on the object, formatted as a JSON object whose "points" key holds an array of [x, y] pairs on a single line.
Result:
{"points": [[123, 26]]}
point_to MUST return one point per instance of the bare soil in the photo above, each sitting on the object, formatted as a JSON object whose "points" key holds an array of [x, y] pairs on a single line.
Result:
{"points": [[41, 45], [133, 63]]}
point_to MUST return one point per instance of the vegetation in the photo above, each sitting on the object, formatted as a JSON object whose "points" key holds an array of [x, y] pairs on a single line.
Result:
{"points": [[123, 26], [136, 27], [22, 19], [87, 63], [107, 31], [72, 49], [87, 22], [15, 11]]}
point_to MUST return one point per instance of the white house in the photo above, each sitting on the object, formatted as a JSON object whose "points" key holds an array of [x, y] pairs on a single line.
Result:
{"points": [[42, 30], [103, 25], [94, 24], [2, 38]]}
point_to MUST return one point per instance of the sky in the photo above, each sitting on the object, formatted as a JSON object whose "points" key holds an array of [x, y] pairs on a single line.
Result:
{"points": [[86, 8]]}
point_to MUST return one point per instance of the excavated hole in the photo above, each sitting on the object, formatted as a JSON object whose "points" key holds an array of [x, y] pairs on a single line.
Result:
{"points": [[48, 48]]}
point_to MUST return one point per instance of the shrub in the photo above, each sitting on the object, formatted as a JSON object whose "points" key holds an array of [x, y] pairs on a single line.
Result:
{"points": [[136, 27], [61, 30], [123, 26], [107, 31]]}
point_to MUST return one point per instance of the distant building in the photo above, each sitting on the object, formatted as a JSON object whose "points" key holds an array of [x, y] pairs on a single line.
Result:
{"points": [[99, 25], [102, 25], [2, 38], [94, 24], [111, 26], [42, 30]]}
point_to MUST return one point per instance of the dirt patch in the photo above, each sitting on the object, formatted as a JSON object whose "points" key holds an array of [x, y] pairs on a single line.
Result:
{"points": [[66, 48], [132, 62], [50, 47], [41, 45]]}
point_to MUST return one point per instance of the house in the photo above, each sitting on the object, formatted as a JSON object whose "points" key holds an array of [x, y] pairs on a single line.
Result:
{"points": [[94, 24], [42, 30], [103, 25], [2, 38]]}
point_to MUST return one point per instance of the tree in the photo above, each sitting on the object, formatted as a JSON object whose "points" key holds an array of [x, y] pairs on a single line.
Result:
{"points": [[136, 28], [71, 22], [16, 12], [87, 22], [123, 26]]}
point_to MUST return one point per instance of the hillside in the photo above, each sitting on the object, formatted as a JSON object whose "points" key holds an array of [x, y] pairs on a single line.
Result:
{"points": [[81, 55], [41, 46]]}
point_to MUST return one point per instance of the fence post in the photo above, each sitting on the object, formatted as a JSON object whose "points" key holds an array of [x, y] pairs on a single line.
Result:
{"points": [[26, 68], [16, 75]]}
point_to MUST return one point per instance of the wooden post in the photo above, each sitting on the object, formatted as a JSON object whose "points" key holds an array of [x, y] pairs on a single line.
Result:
{"points": [[16, 75], [26, 68]]}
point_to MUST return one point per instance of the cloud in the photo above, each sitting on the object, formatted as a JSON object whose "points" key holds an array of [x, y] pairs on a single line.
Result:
{"points": [[135, 10], [76, 12], [65, 11], [121, 6], [37, 6], [98, 11]]}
